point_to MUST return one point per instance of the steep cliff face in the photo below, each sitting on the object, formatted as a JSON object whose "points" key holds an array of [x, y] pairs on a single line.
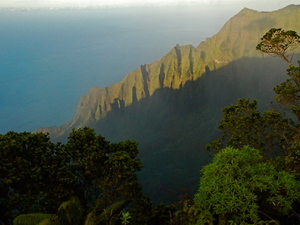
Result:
{"points": [[172, 106], [237, 39]]}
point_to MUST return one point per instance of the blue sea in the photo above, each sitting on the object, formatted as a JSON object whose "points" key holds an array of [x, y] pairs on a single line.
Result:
{"points": [[49, 58]]}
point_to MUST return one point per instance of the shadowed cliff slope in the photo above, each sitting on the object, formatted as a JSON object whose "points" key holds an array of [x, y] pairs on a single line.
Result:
{"points": [[172, 107]]}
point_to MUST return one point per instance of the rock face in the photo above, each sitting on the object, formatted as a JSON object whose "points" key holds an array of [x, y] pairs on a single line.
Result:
{"points": [[172, 107]]}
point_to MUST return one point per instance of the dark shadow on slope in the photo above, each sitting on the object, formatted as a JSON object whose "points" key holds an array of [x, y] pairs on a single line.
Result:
{"points": [[173, 126]]}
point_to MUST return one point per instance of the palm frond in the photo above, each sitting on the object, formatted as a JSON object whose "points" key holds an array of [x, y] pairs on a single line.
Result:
{"points": [[48, 222], [107, 215], [91, 219], [31, 219], [70, 212]]}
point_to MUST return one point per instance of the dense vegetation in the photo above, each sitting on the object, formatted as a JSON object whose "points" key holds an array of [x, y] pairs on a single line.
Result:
{"points": [[253, 178], [87, 174]]}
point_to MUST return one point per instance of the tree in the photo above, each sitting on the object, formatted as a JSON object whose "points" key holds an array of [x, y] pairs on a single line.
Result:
{"points": [[278, 42], [102, 169], [272, 132], [288, 92], [37, 175], [242, 124], [24, 169], [84, 155], [239, 187], [120, 178], [276, 135]]}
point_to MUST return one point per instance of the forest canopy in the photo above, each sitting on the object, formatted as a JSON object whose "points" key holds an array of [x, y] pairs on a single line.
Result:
{"points": [[38, 175], [257, 157]]}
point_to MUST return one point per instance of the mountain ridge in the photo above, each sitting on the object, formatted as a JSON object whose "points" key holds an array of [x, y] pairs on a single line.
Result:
{"points": [[143, 81], [172, 107]]}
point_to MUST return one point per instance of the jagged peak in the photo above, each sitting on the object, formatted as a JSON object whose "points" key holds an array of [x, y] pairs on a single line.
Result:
{"points": [[247, 10], [188, 46]]}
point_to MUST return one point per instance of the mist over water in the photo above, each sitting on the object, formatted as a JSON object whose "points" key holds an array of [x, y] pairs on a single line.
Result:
{"points": [[50, 58]]}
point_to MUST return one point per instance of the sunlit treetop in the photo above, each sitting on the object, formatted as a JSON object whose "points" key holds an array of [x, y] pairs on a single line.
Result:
{"points": [[277, 42]]}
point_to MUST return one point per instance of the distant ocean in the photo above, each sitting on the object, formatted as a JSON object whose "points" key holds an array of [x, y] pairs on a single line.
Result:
{"points": [[50, 58]]}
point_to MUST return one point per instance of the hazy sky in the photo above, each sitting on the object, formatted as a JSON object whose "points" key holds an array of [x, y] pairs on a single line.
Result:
{"points": [[258, 4]]}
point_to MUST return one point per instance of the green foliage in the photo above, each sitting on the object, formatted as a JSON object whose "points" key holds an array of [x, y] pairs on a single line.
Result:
{"points": [[125, 218], [120, 175], [105, 215], [272, 132], [189, 214], [70, 212], [31, 219], [238, 186], [102, 169], [26, 173], [278, 42], [37, 175], [141, 212], [245, 185], [48, 222], [242, 124], [84, 154], [288, 92]]}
